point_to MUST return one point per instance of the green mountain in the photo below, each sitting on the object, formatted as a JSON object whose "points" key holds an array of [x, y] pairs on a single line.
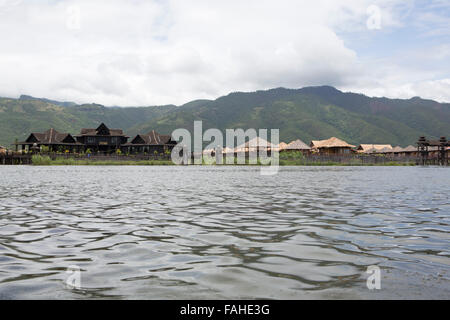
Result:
{"points": [[315, 113], [20, 117], [59, 103], [308, 113]]}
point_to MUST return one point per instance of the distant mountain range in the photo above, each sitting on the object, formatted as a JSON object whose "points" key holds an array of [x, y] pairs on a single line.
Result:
{"points": [[308, 113]]}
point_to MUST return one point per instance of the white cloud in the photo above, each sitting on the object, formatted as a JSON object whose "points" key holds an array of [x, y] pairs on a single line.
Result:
{"points": [[158, 52], [437, 90]]}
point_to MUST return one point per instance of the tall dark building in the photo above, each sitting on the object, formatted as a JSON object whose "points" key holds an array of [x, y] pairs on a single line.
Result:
{"points": [[102, 139]]}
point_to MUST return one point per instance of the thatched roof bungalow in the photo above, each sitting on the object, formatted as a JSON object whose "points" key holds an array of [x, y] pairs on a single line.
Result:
{"points": [[372, 148], [395, 151], [409, 151], [331, 146], [370, 151], [2, 150], [384, 150], [255, 144], [282, 146], [297, 145]]}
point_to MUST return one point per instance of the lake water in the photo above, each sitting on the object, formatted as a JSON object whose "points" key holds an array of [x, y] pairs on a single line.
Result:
{"points": [[195, 232]]}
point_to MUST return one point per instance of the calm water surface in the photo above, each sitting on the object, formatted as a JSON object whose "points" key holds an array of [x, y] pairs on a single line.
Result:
{"points": [[224, 232]]}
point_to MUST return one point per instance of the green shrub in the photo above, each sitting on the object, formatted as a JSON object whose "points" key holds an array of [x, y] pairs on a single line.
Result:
{"points": [[45, 149], [39, 160]]}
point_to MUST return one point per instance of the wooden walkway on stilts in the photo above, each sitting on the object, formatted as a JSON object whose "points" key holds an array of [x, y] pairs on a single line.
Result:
{"points": [[14, 158]]}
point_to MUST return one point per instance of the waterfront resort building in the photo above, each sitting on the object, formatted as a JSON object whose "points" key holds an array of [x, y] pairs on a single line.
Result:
{"points": [[372, 148], [410, 151], [331, 146], [255, 145], [102, 139], [297, 145], [96, 140], [152, 142], [51, 139]]}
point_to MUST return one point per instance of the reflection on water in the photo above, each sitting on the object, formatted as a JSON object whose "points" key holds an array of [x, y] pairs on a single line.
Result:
{"points": [[224, 232]]}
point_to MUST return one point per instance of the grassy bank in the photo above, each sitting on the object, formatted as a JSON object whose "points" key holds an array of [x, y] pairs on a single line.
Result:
{"points": [[350, 163], [39, 160], [296, 158]]}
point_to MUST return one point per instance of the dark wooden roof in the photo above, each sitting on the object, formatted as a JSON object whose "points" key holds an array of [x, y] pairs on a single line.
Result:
{"points": [[151, 138], [51, 136], [102, 130]]}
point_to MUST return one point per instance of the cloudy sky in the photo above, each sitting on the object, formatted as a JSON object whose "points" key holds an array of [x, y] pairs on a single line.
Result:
{"points": [[149, 52]]}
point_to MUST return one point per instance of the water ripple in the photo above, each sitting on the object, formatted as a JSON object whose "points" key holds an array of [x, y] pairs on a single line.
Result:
{"points": [[224, 232]]}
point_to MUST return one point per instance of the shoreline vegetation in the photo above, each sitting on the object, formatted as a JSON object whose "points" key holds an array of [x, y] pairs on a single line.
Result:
{"points": [[292, 160]]}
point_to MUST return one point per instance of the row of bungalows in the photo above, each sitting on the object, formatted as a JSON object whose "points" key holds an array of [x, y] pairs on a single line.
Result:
{"points": [[332, 146], [372, 148], [258, 144], [96, 140], [387, 150], [329, 146]]}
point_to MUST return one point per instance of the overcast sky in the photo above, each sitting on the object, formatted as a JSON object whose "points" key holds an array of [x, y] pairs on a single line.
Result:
{"points": [[144, 52]]}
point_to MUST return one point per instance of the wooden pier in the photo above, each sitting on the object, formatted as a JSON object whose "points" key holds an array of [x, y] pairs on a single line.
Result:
{"points": [[12, 158], [434, 152]]}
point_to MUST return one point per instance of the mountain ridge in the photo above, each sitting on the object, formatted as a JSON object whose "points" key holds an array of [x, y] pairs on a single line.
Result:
{"points": [[306, 113]]}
